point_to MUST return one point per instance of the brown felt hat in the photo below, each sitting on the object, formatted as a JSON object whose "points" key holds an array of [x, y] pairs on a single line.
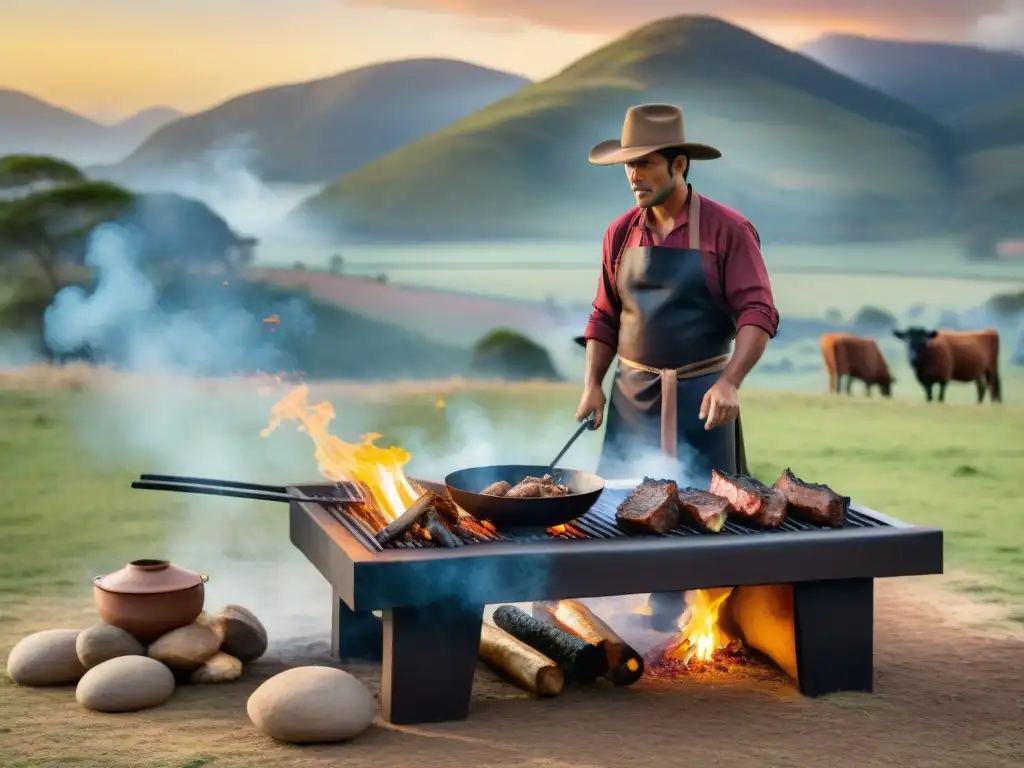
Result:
{"points": [[649, 128]]}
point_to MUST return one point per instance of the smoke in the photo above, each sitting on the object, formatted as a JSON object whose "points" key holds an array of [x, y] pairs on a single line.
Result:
{"points": [[165, 421], [222, 177]]}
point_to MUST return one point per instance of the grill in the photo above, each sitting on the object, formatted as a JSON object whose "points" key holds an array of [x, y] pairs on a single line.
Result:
{"points": [[597, 523], [431, 599]]}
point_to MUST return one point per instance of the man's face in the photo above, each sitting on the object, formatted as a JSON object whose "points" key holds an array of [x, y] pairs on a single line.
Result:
{"points": [[651, 179]]}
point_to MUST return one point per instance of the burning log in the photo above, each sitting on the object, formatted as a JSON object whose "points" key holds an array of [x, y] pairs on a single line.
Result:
{"points": [[625, 665], [470, 529], [437, 532], [369, 515], [580, 661], [397, 528], [526, 666], [461, 523]]}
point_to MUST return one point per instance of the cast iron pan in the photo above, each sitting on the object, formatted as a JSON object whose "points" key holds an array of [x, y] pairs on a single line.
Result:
{"points": [[465, 486]]}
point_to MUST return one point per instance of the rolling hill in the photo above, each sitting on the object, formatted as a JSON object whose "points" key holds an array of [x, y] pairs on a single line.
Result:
{"points": [[29, 125], [809, 154], [312, 132], [938, 78]]}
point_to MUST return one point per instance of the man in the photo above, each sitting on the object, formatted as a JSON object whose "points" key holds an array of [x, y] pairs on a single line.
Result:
{"points": [[682, 277]]}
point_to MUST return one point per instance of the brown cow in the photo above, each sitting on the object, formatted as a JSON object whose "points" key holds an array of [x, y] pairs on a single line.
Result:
{"points": [[855, 358], [939, 357]]}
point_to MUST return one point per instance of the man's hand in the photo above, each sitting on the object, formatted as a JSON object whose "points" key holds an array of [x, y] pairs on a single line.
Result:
{"points": [[721, 404], [593, 401]]}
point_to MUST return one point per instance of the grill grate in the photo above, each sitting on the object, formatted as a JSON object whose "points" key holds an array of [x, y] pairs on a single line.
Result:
{"points": [[599, 523]]}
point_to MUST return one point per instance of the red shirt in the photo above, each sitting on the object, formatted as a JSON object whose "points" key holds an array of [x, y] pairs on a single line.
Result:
{"points": [[730, 247]]}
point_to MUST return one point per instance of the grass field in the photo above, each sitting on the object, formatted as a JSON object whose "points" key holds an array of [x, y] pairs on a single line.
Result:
{"points": [[69, 453]]}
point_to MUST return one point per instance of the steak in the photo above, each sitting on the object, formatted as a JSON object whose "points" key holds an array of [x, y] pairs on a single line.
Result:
{"points": [[706, 509], [813, 502], [652, 507], [749, 499]]}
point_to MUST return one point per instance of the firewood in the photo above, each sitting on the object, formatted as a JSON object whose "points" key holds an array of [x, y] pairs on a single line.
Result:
{"points": [[525, 666], [404, 522], [580, 661], [438, 532], [625, 665]]}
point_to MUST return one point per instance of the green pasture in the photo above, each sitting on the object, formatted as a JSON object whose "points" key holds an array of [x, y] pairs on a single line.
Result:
{"points": [[807, 280], [67, 511]]}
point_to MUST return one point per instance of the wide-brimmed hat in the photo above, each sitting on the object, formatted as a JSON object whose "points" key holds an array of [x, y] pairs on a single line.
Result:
{"points": [[649, 128]]}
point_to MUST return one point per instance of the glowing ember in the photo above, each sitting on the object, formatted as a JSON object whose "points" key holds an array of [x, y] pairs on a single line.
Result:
{"points": [[701, 645], [378, 470]]}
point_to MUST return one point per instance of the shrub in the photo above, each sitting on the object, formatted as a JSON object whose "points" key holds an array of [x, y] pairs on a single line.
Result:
{"points": [[511, 355]]}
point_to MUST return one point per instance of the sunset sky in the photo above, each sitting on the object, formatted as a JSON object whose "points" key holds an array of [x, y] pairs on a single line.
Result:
{"points": [[110, 58]]}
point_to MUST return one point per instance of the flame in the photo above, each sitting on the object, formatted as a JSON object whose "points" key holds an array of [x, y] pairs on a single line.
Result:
{"points": [[701, 633], [377, 470]]}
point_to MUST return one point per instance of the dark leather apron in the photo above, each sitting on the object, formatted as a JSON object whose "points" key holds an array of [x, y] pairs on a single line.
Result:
{"points": [[674, 340]]}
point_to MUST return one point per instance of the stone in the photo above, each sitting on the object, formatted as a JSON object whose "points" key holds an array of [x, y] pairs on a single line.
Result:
{"points": [[103, 642], [186, 648], [125, 684], [46, 658], [245, 637], [308, 705], [219, 668]]}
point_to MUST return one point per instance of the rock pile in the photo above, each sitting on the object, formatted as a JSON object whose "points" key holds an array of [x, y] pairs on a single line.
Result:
{"points": [[114, 672]]}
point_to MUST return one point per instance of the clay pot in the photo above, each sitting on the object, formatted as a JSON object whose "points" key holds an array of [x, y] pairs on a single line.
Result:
{"points": [[149, 598]]}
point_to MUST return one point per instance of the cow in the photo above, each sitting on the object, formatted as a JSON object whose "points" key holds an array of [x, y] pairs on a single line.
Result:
{"points": [[939, 357], [855, 358]]}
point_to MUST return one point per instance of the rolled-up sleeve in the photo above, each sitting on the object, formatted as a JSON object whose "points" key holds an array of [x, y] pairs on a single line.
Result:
{"points": [[603, 325], [747, 289]]}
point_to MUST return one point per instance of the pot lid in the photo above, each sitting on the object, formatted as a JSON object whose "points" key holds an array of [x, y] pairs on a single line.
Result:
{"points": [[148, 577]]}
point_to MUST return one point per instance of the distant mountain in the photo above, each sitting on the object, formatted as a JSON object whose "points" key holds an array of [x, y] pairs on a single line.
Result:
{"points": [[32, 126], [136, 129], [314, 131], [808, 153], [939, 78]]}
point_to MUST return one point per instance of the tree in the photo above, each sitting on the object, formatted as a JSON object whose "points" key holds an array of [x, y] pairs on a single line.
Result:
{"points": [[49, 207], [508, 354]]}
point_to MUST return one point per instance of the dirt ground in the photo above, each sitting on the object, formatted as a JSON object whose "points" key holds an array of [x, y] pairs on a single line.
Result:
{"points": [[948, 693]]}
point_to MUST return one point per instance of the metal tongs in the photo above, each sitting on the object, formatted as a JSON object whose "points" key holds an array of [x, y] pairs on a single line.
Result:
{"points": [[346, 493]]}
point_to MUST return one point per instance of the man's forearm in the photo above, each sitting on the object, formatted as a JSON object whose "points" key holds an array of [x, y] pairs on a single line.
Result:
{"points": [[750, 345], [599, 360]]}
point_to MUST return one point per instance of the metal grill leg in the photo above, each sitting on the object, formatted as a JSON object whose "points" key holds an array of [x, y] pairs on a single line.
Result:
{"points": [[834, 626], [430, 657], [355, 635]]}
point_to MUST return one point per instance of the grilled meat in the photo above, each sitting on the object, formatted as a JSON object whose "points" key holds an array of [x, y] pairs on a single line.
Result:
{"points": [[750, 499], [706, 509], [653, 507], [813, 502], [528, 488], [500, 488]]}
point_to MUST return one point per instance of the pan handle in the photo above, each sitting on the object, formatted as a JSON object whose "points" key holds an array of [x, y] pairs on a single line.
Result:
{"points": [[588, 424]]}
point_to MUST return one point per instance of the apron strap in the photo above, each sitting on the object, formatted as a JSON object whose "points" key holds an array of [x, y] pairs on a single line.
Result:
{"points": [[693, 220]]}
